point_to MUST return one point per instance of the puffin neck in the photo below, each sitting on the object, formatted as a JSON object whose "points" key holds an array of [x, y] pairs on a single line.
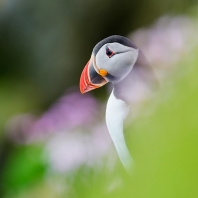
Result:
{"points": [[122, 89]]}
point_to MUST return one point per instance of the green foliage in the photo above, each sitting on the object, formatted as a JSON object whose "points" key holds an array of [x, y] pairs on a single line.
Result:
{"points": [[165, 142], [23, 168]]}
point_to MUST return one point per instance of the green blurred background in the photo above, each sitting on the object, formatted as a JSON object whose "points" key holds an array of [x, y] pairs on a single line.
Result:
{"points": [[44, 46]]}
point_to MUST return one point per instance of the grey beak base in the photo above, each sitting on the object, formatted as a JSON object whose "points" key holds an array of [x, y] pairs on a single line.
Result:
{"points": [[95, 78]]}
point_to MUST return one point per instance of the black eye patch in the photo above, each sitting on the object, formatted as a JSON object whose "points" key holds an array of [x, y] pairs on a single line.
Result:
{"points": [[109, 52]]}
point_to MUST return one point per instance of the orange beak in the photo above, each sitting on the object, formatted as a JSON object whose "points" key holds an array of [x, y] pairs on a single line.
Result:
{"points": [[90, 79]]}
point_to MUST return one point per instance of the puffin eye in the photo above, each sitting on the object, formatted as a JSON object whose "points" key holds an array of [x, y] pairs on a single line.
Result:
{"points": [[109, 52]]}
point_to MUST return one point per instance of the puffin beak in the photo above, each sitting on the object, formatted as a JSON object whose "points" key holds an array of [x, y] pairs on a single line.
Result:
{"points": [[90, 79]]}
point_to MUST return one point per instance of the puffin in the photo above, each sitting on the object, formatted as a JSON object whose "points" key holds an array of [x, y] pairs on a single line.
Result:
{"points": [[117, 60]]}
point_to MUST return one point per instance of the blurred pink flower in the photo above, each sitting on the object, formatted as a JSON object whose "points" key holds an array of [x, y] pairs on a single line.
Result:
{"points": [[165, 42], [68, 151]]}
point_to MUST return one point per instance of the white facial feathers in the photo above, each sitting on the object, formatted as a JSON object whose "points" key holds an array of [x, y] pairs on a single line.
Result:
{"points": [[120, 64]]}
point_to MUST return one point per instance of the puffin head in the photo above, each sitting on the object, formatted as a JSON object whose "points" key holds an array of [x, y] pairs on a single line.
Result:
{"points": [[112, 60]]}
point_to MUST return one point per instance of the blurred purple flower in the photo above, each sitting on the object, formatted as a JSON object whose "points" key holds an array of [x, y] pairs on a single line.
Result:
{"points": [[71, 111]]}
